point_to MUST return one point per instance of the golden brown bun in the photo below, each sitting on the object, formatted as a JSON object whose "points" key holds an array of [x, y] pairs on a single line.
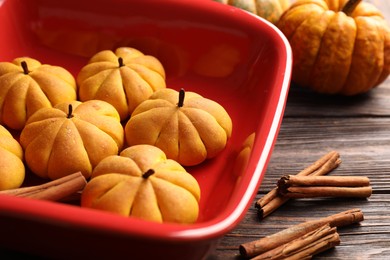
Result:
{"points": [[124, 85], [190, 134], [118, 184], [23, 94], [12, 170], [57, 145]]}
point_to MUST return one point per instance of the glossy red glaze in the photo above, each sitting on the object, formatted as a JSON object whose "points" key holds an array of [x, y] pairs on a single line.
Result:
{"points": [[218, 51]]}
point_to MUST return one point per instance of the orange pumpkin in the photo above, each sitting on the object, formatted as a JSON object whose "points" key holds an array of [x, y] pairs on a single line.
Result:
{"points": [[270, 10], [189, 130], [71, 137], [142, 183], [123, 78], [27, 85], [339, 46]]}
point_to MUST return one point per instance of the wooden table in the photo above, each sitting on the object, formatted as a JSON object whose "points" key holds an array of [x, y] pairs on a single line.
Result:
{"points": [[359, 129]]}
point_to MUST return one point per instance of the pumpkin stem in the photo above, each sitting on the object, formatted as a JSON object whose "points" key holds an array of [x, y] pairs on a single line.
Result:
{"points": [[25, 67], [181, 98], [120, 61], [70, 111], [148, 173], [350, 6]]}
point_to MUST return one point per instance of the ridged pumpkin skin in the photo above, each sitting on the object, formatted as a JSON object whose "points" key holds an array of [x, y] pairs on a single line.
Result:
{"points": [[123, 78], [270, 10], [334, 52], [188, 134], [25, 90], [12, 170], [57, 144], [120, 184]]}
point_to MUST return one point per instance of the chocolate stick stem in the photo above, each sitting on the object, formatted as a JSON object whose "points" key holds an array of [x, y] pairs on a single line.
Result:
{"points": [[25, 67], [181, 98], [350, 6]]}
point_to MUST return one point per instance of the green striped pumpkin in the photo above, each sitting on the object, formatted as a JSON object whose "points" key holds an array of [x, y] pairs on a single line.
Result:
{"points": [[270, 10]]}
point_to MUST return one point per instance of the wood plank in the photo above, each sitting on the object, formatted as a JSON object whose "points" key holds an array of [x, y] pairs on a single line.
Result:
{"points": [[304, 102], [363, 143], [369, 240], [364, 146]]}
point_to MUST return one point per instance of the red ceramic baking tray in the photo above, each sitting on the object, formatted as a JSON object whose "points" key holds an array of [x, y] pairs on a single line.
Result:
{"points": [[218, 51]]}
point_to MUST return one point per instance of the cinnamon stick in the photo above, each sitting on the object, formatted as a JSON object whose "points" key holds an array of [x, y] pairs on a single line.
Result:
{"points": [[267, 243], [272, 200], [336, 181], [323, 191], [310, 244], [54, 190], [324, 186]]}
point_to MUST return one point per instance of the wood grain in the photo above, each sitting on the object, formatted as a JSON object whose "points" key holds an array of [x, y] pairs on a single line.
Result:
{"points": [[364, 145], [358, 128]]}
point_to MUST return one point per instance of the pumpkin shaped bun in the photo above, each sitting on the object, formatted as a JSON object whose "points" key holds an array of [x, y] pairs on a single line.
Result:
{"points": [[12, 170], [71, 137], [339, 46], [188, 129], [123, 78], [27, 85], [142, 183]]}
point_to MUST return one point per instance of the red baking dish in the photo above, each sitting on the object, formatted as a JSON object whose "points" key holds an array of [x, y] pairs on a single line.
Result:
{"points": [[218, 51]]}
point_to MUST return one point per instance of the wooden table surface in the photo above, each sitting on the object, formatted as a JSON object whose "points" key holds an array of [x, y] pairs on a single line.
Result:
{"points": [[359, 129]]}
